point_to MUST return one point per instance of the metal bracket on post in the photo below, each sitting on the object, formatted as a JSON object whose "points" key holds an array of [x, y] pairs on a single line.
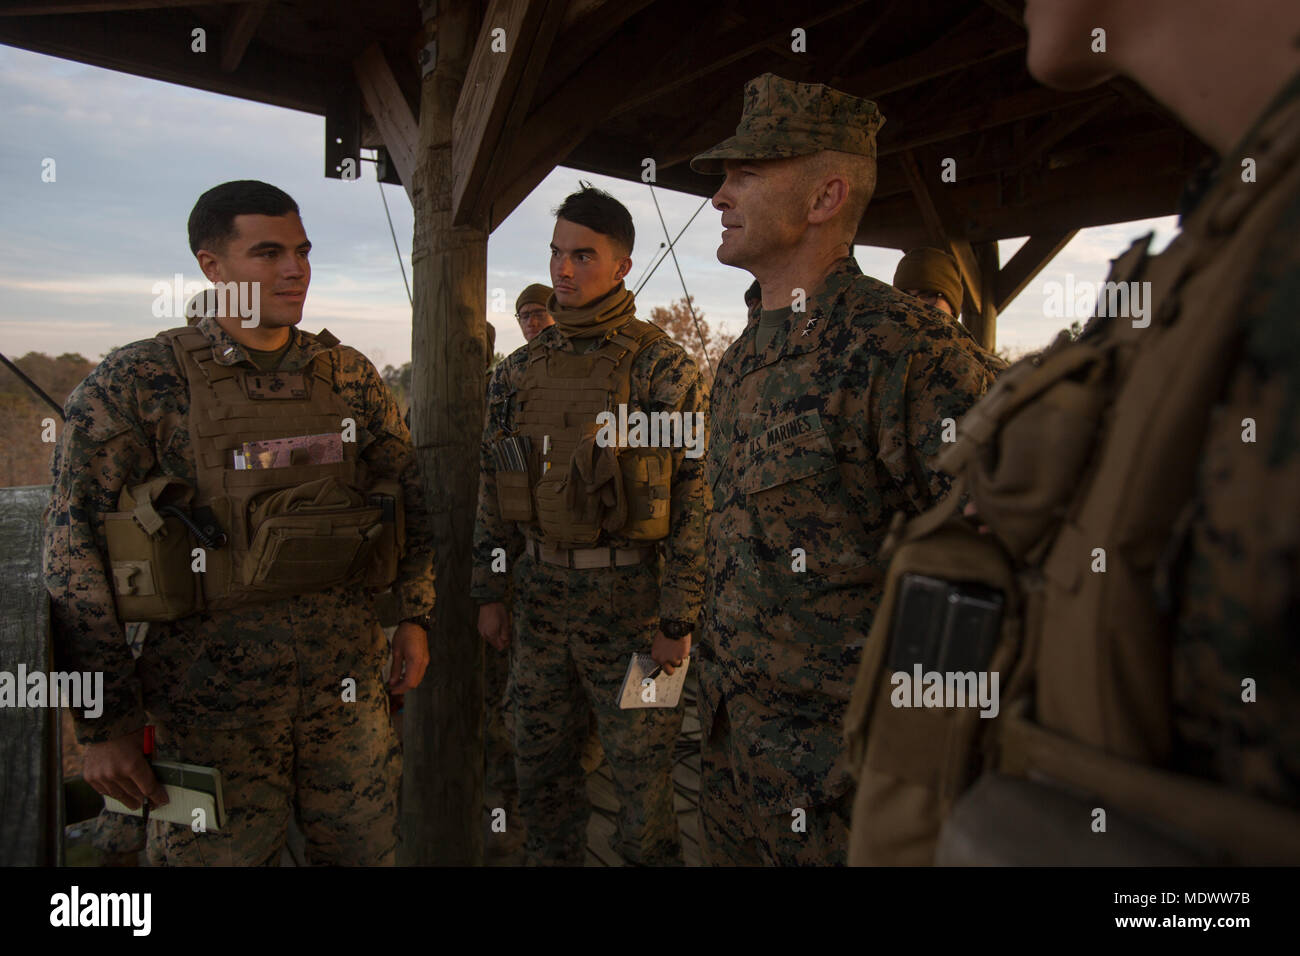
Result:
{"points": [[429, 52], [428, 58]]}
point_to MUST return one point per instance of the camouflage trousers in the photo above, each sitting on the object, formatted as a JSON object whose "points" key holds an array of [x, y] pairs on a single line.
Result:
{"points": [[574, 634], [498, 722], [736, 834], [336, 764]]}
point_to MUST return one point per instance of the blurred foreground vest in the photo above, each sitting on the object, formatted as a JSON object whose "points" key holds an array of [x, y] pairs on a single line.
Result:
{"points": [[577, 484], [1090, 445], [265, 522]]}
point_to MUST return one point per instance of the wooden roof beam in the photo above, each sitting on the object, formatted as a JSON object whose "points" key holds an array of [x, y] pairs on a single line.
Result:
{"points": [[392, 114], [238, 33], [579, 42], [554, 128], [936, 214], [1029, 260], [983, 115], [147, 46], [498, 90], [1095, 192], [968, 44], [25, 8], [699, 56]]}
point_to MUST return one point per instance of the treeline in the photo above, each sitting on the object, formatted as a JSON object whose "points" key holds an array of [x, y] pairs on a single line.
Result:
{"points": [[25, 459]]}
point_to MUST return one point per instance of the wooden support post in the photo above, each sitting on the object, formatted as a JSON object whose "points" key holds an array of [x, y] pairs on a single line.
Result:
{"points": [[31, 830], [442, 792], [982, 320]]}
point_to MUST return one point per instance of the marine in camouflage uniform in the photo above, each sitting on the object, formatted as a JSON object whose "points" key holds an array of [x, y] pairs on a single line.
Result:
{"points": [[818, 436], [1147, 492], [575, 630], [255, 691]]}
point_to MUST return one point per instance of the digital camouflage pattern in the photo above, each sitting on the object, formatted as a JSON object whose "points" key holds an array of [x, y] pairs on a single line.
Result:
{"points": [[256, 665], [814, 444], [573, 638], [734, 835], [1238, 604], [574, 632], [337, 766], [782, 118]]}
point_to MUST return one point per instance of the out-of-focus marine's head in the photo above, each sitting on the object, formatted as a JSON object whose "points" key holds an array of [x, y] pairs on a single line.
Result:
{"points": [[930, 275], [800, 168], [531, 310], [250, 232], [591, 247], [1063, 50]]}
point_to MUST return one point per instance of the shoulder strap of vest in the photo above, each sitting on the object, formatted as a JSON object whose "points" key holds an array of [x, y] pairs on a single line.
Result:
{"points": [[193, 349], [628, 340]]}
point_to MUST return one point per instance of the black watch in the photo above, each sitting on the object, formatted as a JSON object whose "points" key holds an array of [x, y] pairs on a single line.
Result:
{"points": [[675, 629], [424, 620]]}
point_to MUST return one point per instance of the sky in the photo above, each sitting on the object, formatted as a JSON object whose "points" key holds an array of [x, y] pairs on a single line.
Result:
{"points": [[80, 256]]}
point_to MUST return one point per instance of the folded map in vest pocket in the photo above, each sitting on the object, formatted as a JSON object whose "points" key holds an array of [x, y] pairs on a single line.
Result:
{"points": [[642, 690], [326, 449]]}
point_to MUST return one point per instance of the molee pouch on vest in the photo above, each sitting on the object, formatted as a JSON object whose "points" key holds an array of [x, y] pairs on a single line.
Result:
{"points": [[514, 497], [150, 552], [1049, 408], [916, 753], [647, 474], [311, 536], [386, 495]]}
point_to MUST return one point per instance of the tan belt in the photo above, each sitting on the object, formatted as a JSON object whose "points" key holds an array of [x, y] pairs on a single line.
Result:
{"points": [[585, 558]]}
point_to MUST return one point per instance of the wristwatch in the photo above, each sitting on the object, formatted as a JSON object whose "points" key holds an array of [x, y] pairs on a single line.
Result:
{"points": [[675, 629], [424, 620]]}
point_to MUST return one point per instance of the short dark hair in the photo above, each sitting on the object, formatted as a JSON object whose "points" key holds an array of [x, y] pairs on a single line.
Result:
{"points": [[212, 220], [600, 212]]}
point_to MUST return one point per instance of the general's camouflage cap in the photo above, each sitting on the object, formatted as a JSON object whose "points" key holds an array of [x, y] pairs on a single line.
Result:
{"points": [[782, 118]]}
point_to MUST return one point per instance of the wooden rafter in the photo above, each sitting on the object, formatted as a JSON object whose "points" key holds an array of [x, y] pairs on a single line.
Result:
{"points": [[579, 42], [1029, 260], [555, 127], [149, 47], [25, 8], [981, 113], [970, 43], [392, 114], [498, 90], [238, 33], [700, 55], [936, 214]]}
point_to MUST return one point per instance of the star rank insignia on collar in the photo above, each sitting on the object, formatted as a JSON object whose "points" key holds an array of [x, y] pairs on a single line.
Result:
{"points": [[809, 327]]}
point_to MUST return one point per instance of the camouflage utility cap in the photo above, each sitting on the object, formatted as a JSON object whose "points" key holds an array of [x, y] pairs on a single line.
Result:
{"points": [[782, 118]]}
